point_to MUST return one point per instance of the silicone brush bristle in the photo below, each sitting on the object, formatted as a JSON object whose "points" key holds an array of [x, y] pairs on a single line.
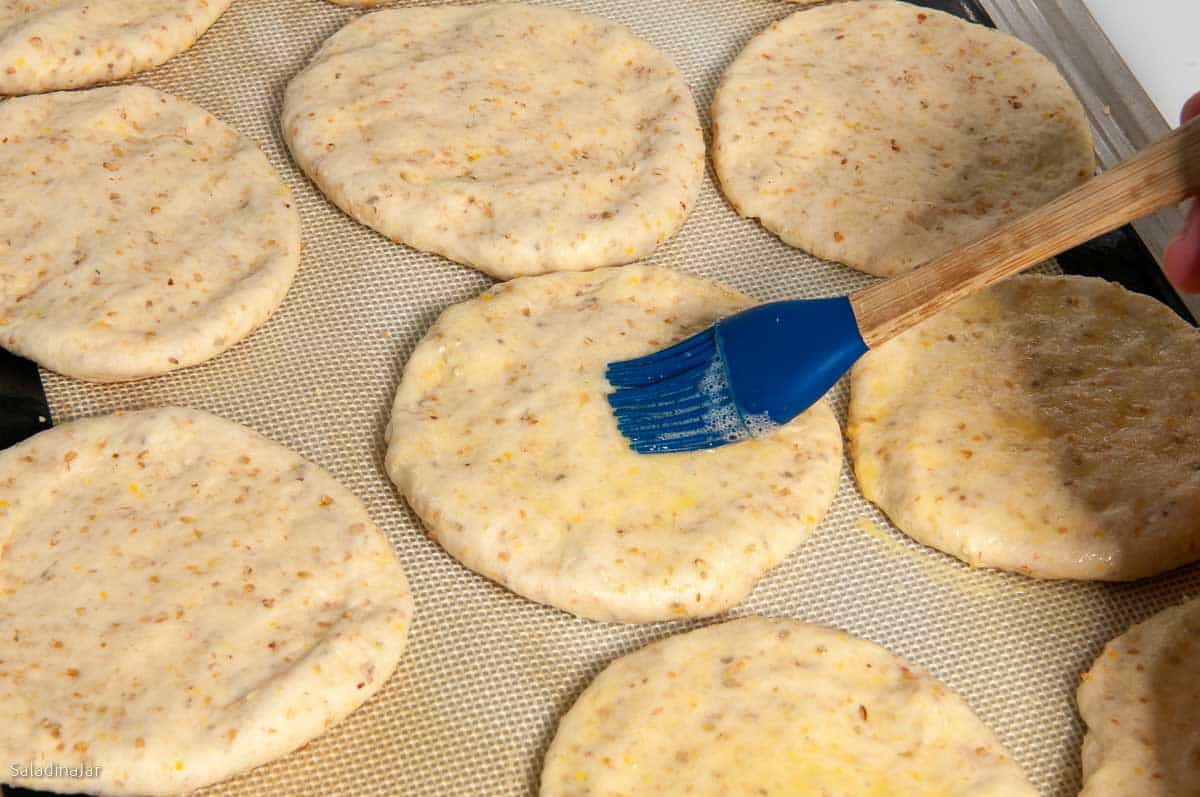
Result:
{"points": [[677, 399]]}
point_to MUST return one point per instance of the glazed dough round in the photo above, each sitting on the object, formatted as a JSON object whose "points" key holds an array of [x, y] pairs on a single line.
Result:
{"points": [[516, 139], [882, 134], [138, 234], [1141, 703], [759, 706], [1046, 426], [502, 440], [47, 45], [182, 600]]}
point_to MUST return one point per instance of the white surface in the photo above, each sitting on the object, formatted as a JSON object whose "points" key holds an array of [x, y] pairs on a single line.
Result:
{"points": [[1160, 40]]}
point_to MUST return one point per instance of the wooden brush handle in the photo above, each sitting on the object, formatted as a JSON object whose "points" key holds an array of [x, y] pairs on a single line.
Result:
{"points": [[1163, 174]]}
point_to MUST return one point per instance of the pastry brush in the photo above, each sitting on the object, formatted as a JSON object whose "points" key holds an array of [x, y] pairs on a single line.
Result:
{"points": [[754, 371]]}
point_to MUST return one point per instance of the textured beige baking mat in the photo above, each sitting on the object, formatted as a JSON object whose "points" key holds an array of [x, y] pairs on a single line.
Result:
{"points": [[486, 676]]}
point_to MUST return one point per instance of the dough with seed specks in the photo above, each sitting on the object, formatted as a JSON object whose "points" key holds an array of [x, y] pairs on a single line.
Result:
{"points": [[1141, 704], [182, 600], [882, 134], [46, 45], [138, 234], [502, 440], [1046, 426], [516, 139], [760, 706]]}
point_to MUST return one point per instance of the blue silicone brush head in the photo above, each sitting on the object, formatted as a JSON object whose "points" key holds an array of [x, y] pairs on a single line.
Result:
{"points": [[743, 377]]}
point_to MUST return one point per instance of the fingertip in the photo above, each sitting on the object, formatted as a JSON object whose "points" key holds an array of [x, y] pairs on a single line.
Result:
{"points": [[1181, 260], [1191, 108], [1176, 268]]}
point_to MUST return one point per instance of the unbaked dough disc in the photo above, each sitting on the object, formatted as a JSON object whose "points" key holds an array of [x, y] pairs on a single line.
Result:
{"points": [[513, 138], [182, 600], [138, 234], [760, 706], [882, 134], [1047, 426], [502, 440], [66, 44], [1141, 704]]}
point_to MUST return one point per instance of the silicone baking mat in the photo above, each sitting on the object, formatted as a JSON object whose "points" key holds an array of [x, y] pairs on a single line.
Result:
{"points": [[487, 674]]}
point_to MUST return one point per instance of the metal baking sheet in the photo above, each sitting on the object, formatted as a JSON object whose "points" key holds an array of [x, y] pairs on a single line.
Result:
{"points": [[487, 674]]}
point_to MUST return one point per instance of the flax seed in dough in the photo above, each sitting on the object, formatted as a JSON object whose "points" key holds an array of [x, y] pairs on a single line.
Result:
{"points": [[515, 139], [883, 134], [182, 600], [761, 706], [1046, 426], [47, 45], [138, 234], [502, 440]]}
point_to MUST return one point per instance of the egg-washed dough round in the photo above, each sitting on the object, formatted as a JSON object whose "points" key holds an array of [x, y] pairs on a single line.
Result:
{"points": [[47, 45], [1141, 704], [1047, 426], [503, 442], [762, 706], [882, 134], [515, 139], [138, 234], [181, 600]]}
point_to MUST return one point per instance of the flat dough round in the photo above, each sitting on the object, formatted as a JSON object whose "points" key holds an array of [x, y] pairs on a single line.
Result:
{"points": [[882, 134], [502, 440], [515, 139], [47, 45], [138, 234], [760, 706], [1047, 426], [181, 600], [1141, 703]]}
